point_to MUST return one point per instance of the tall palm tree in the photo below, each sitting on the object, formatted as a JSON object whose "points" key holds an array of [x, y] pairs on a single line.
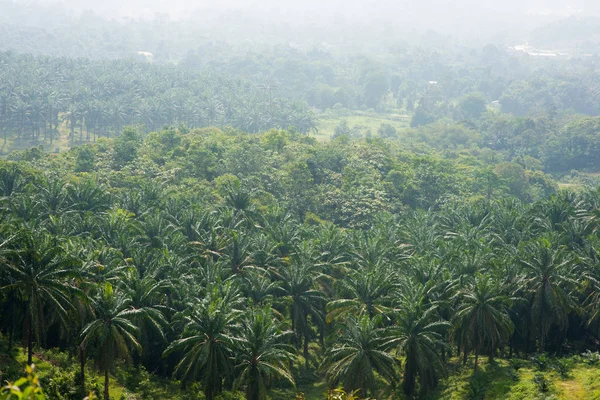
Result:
{"points": [[207, 343], [359, 352], [549, 283], [148, 298], [482, 318], [262, 353], [298, 284], [44, 278], [111, 335], [419, 334]]}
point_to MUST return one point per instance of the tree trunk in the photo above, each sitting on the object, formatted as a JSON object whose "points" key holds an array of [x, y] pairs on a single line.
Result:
{"points": [[30, 342], [82, 367], [476, 358], [322, 336], [106, 384], [305, 352], [10, 340], [466, 353]]}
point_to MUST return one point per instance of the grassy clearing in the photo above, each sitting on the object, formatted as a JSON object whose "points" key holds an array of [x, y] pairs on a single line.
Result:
{"points": [[500, 381], [366, 120], [496, 381]]}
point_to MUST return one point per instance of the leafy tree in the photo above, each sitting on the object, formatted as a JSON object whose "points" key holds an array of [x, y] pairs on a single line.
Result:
{"points": [[126, 147], [472, 106], [387, 131]]}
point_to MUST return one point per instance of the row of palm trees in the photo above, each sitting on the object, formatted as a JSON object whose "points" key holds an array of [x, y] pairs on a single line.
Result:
{"points": [[38, 95], [234, 296]]}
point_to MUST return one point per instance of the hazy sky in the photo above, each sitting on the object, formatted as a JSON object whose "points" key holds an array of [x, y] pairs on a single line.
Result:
{"points": [[465, 20], [350, 9]]}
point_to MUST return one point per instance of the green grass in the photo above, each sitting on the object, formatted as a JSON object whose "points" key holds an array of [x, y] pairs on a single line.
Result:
{"points": [[496, 381], [367, 120]]}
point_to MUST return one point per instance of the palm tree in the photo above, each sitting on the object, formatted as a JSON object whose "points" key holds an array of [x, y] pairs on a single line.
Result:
{"points": [[298, 285], [11, 179], [366, 290], [418, 334], [111, 334], [262, 353], [549, 284], [482, 319], [44, 278], [360, 350], [207, 343], [148, 298]]}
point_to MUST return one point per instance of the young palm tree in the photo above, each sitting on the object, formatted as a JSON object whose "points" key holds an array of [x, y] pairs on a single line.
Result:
{"points": [[111, 334], [359, 352], [207, 344], [262, 353], [482, 318]]}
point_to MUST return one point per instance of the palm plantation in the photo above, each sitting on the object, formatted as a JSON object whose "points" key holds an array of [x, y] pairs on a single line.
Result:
{"points": [[142, 266]]}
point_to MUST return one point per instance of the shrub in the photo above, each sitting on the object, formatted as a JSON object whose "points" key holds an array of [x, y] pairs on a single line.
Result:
{"points": [[476, 390], [27, 388], [516, 363], [591, 358], [541, 382], [541, 362], [563, 366]]}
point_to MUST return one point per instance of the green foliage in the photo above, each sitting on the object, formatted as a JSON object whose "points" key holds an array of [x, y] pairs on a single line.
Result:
{"points": [[387, 131], [27, 388], [563, 366], [358, 354], [86, 158], [541, 362], [591, 358], [472, 106], [516, 363], [126, 147], [542, 383]]}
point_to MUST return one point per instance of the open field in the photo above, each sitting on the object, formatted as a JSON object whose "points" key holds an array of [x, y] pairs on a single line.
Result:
{"points": [[365, 120]]}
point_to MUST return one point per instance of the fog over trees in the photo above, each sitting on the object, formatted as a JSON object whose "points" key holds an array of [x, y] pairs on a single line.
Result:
{"points": [[274, 200]]}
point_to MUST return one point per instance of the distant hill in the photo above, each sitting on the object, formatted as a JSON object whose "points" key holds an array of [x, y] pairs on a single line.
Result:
{"points": [[581, 33]]}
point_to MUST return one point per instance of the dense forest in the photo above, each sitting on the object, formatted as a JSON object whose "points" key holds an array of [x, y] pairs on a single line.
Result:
{"points": [[219, 208]]}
